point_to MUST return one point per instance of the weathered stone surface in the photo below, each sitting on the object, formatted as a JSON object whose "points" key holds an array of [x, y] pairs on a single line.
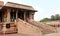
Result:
{"points": [[43, 27], [26, 28], [52, 34], [16, 35]]}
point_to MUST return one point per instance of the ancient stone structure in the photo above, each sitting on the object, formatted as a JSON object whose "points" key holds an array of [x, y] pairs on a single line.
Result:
{"points": [[11, 12], [13, 18]]}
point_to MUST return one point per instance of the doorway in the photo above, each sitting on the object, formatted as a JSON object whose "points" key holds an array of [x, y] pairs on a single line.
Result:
{"points": [[0, 16], [12, 16], [21, 15], [27, 14]]}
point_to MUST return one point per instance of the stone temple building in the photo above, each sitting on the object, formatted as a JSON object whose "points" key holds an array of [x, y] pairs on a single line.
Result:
{"points": [[13, 18], [11, 12]]}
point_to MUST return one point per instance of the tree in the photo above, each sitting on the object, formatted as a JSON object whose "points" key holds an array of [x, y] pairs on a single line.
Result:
{"points": [[57, 17], [53, 18], [45, 20]]}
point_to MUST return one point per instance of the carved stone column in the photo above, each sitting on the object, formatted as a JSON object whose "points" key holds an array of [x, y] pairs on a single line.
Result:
{"points": [[24, 16], [31, 15], [8, 14], [16, 13]]}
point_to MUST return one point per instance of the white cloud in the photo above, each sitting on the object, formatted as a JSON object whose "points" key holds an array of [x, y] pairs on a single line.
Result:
{"points": [[40, 14], [37, 15], [55, 11]]}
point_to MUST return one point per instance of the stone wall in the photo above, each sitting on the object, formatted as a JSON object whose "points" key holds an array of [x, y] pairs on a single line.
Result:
{"points": [[1, 3]]}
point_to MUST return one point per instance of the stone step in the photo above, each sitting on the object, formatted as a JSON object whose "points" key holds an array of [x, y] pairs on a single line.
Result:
{"points": [[45, 28]]}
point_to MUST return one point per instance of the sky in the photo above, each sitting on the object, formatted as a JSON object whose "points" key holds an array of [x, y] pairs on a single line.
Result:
{"points": [[45, 8]]}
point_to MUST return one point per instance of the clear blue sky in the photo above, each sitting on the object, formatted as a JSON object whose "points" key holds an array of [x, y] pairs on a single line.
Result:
{"points": [[45, 8]]}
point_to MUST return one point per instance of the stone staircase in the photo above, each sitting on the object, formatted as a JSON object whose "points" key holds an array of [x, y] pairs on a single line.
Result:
{"points": [[46, 29], [26, 28], [4, 30], [33, 28], [1, 27]]}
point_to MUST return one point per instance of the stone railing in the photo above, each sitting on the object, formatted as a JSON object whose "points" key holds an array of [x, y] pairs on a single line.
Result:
{"points": [[4, 29], [45, 28]]}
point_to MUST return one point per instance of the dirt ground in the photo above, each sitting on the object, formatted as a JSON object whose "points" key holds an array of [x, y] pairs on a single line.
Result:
{"points": [[15, 35], [53, 34]]}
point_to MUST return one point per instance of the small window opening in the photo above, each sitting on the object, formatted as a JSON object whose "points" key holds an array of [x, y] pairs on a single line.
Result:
{"points": [[7, 25]]}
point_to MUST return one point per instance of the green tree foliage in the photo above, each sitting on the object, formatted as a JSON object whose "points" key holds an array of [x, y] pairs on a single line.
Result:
{"points": [[45, 20], [53, 18], [57, 17]]}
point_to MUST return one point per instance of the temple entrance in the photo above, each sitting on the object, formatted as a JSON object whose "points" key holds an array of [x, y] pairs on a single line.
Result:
{"points": [[12, 16], [21, 15], [1, 16], [27, 15]]}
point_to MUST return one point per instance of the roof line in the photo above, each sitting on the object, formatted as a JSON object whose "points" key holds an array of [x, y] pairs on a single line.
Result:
{"points": [[19, 4]]}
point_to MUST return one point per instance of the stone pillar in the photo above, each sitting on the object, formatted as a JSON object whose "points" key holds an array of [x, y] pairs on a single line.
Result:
{"points": [[17, 14], [31, 15], [8, 15], [5, 16], [24, 16]]}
